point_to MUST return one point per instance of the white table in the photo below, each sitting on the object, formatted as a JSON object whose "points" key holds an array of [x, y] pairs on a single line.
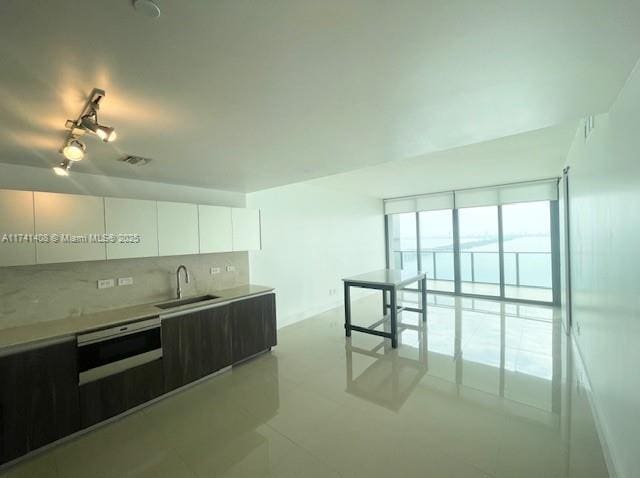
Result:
{"points": [[389, 281]]}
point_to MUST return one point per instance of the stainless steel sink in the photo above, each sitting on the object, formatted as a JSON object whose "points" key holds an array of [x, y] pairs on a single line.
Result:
{"points": [[190, 300]]}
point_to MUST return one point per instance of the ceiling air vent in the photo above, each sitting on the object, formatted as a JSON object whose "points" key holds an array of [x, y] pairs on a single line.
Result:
{"points": [[135, 160]]}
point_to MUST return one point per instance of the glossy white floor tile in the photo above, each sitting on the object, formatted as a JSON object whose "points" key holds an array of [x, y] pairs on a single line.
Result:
{"points": [[484, 389]]}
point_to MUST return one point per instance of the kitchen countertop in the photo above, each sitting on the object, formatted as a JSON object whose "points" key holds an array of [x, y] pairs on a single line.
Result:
{"points": [[55, 329]]}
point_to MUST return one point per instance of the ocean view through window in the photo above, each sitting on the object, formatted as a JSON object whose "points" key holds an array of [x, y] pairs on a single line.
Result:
{"points": [[502, 250]]}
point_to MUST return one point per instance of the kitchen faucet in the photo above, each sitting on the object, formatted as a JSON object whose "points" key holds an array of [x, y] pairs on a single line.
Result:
{"points": [[186, 275]]}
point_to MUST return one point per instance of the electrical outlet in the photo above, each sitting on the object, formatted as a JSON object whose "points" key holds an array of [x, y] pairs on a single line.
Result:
{"points": [[231, 268], [215, 270], [105, 283], [125, 280]]}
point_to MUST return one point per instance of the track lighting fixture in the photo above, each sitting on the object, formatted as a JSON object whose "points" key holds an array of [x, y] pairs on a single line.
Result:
{"points": [[87, 121], [63, 168], [74, 150]]}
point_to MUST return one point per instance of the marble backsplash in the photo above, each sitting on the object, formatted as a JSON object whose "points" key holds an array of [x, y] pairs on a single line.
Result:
{"points": [[54, 291]]}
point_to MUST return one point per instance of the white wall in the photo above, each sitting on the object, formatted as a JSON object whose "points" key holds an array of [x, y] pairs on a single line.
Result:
{"points": [[604, 210], [312, 238], [44, 179]]}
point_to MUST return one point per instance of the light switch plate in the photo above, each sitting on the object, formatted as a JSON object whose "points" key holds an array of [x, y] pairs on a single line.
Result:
{"points": [[215, 270], [105, 283], [231, 268], [125, 280]]}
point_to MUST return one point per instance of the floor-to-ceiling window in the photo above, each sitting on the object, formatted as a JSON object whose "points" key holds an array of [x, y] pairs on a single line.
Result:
{"points": [[479, 250], [403, 241], [490, 242], [527, 250], [436, 249]]}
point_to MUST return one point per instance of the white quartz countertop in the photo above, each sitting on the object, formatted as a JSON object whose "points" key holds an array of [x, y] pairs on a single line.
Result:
{"points": [[55, 329]]}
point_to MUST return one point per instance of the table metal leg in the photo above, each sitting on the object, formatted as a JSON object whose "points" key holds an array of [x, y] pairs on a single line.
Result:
{"points": [[349, 357], [394, 319], [423, 296], [347, 310], [384, 303]]}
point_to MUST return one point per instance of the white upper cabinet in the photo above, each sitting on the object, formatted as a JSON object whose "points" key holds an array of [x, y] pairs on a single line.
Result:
{"points": [[131, 219], [73, 220], [16, 217], [177, 228], [216, 231], [75, 228], [246, 229]]}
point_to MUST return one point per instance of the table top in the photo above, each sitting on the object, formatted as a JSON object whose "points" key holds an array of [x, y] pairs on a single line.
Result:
{"points": [[387, 277]]}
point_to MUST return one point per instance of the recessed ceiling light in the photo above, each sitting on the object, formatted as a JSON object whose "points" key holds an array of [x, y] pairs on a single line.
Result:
{"points": [[147, 7]]}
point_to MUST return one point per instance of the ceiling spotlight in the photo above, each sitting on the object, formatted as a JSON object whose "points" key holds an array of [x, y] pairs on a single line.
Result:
{"points": [[74, 150], [106, 133], [90, 123], [63, 168]]}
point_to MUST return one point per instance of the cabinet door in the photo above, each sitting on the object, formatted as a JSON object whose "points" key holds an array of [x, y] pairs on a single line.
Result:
{"points": [[16, 217], [128, 217], [177, 228], [216, 234], [195, 345], [38, 398], [246, 229], [118, 393], [72, 215], [216, 339], [253, 326]]}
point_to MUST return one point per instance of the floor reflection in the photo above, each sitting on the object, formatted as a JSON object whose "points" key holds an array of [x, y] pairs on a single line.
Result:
{"points": [[492, 346], [516, 353], [483, 389], [509, 350], [391, 378]]}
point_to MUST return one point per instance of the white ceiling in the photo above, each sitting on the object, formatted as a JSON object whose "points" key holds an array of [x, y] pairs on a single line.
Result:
{"points": [[537, 154], [245, 95]]}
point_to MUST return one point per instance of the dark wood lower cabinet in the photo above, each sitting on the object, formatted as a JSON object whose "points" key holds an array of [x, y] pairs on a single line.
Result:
{"points": [[253, 326], [41, 402], [118, 393], [195, 345], [38, 398]]}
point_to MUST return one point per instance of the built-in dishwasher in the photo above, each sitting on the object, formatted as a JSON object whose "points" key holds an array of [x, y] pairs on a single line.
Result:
{"points": [[111, 351]]}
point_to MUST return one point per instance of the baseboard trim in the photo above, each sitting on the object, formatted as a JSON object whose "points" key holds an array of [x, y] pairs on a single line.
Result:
{"points": [[601, 429]]}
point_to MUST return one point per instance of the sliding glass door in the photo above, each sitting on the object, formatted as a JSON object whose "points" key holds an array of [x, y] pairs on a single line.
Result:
{"points": [[479, 251], [436, 249]]}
